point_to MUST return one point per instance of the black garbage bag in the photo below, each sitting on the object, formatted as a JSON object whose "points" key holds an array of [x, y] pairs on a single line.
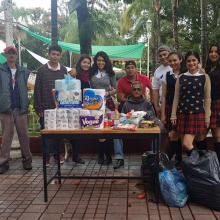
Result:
{"points": [[202, 173], [149, 161]]}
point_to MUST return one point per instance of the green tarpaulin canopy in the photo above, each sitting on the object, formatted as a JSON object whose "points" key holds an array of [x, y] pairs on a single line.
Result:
{"points": [[2, 59], [123, 52]]}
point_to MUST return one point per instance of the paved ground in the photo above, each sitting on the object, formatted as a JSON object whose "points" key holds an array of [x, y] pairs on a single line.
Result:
{"points": [[21, 196]]}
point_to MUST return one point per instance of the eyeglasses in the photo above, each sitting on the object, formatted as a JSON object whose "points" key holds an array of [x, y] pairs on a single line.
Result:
{"points": [[136, 89]]}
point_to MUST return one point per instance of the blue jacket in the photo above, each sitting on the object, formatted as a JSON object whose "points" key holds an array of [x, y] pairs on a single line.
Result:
{"points": [[22, 75]]}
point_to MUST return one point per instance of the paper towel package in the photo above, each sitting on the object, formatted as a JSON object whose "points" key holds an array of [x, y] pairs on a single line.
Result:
{"points": [[50, 119], [91, 119], [94, 99], [69, 99]]}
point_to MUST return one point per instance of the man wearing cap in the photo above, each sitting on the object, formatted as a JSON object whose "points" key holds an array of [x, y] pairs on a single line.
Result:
{"points": [[125, 83], [163, 52], [14, 109], [124, 90]]}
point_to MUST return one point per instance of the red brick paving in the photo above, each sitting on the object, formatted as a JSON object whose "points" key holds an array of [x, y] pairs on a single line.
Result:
{"points": [[21, 196]]}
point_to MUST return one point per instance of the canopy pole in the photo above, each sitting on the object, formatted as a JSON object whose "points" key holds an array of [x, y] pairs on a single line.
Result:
{"points": [[19, 50], [140, 66], [70, 54]]}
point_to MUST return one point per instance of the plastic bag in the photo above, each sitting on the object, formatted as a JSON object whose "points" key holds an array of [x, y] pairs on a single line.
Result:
{"points": [[173, 188], [149, 161], [202, 172]]}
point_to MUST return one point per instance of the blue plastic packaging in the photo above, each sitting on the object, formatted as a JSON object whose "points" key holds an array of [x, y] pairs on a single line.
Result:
{"points": [[173, 188]]}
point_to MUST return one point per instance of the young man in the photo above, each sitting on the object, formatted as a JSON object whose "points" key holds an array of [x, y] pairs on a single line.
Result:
{"points": [[43, 97], [163, 52], [123, 92], [124, 84], [14, 109]]}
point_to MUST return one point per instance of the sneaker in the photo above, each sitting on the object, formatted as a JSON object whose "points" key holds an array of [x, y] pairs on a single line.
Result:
{"points": [[4, 167], [27, 165], [118, 163], [79, 160], [61, 159]]}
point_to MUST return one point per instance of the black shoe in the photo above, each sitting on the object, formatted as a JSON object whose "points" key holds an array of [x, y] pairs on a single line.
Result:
{"points": [[108, 161], [118, 163], [79, 160], [4, 167], [100, 160], [27, 165]]}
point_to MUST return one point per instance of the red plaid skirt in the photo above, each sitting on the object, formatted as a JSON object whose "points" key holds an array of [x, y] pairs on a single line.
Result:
{"points": [[215, 116], [191, 124], [169, 126]]}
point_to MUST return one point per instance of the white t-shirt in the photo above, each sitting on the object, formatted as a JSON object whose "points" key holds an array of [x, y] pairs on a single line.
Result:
{"points": [[13, 71], [158, 77]]}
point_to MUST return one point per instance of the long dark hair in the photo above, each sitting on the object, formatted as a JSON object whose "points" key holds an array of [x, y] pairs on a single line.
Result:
{"points": [[108, 64], [183, 68], [209, 63], [79, 70]]}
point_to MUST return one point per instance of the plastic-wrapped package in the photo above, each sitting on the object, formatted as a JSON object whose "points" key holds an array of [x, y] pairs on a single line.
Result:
{"points": [[173, 188], [91, 119], [94, 99], [50, 119]]}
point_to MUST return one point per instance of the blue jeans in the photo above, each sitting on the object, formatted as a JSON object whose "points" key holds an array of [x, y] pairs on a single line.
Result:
{"points": [[118, 149]]}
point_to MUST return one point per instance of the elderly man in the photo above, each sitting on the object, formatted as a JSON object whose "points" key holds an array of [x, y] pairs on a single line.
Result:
{"points": [[124, 90], [14, 109]]}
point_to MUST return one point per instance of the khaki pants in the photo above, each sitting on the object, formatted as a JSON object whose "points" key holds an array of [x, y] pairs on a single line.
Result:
{"points": [[8, 121]]}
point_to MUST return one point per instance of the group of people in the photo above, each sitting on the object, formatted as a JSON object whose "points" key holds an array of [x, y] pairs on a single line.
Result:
{"points": [[183, 95], [187, 99]]}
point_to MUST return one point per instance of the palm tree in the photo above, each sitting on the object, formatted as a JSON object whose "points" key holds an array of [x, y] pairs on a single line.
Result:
{"points": [[84, 24], [175, 23], [204, 37]]}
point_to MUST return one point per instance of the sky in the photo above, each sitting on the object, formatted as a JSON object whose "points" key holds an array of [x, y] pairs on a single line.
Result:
{"points": [[32, 3]]}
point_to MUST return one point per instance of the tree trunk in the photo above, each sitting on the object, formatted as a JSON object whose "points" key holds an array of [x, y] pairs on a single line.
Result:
{"points": [[175, 23], [157, 6], [84, 25], [204, 37], [54, 32]]}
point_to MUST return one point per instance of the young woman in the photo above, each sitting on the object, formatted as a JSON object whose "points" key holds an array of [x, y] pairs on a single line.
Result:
{"points": [[192, 102], [83, 73], [103, 77], [168, 90], [83, 70], [213, 70]]}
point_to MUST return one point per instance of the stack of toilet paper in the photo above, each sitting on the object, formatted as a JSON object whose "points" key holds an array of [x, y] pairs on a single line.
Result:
{"points": [[50, 119], [62, 119], [69, 99], [91, 118], [68, 92], [73, 118]]}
